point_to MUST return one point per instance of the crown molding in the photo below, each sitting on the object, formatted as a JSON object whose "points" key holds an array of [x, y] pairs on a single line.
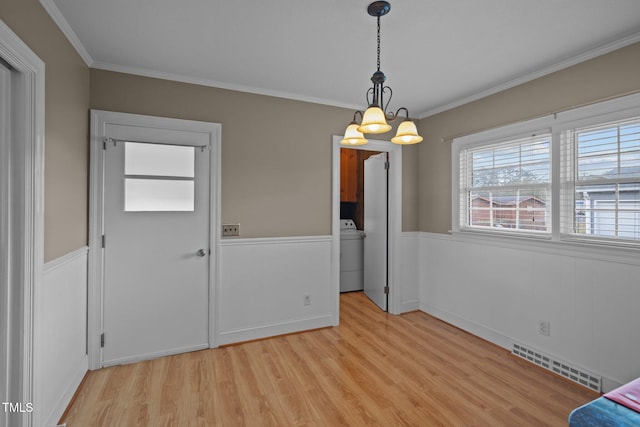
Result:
{"points": [[64, 26], [220, 85], [574, 60]]}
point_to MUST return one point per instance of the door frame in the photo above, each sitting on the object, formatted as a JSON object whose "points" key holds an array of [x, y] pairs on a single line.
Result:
{"points": [[99, 120], [395, 222], [22, 205]]}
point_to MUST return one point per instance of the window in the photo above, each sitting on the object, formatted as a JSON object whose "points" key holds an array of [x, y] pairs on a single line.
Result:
{"points": [[158, 177], [570, 176], [507, 186], [602, 174]]}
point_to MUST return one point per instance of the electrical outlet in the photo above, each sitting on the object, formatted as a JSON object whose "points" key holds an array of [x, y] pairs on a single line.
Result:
{"points": [[230, 229], [306, 299], [544, 327]]}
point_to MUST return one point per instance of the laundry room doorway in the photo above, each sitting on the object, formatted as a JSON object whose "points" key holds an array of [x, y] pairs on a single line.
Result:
{"points": [[380, 228]]}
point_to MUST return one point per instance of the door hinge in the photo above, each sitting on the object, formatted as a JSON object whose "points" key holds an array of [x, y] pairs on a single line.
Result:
{"points": [[386, 290], [103, 239], [101, 340], [386, 165]]}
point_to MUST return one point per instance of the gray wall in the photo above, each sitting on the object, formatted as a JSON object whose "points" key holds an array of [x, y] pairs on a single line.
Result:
{"points": [[276, 153]]}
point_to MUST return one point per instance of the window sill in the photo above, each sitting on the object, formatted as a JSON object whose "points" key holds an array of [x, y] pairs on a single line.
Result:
{"points": [[563, 246]]}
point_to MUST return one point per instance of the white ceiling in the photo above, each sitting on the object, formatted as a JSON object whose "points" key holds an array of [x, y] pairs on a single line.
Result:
{"points": [[436, 53]]}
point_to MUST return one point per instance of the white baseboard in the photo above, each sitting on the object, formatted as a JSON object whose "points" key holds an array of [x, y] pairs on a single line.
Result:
{"points": [[408, 306], [281, 328], [471, 327], [149, 356]]}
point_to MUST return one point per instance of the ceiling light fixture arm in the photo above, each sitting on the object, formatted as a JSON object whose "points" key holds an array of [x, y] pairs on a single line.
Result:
{"points": [[392, 116], [355, 119]]}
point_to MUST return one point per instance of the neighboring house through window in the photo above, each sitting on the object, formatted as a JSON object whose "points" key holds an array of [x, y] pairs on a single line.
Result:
{"points": [[506, 186]]}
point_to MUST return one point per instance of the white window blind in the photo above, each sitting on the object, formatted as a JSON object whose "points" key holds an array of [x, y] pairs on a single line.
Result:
{"points": [[600, 191], [506, 186]]}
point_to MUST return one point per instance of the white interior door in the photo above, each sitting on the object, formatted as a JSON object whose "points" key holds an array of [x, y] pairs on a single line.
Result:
{"points": [[375, 227], [156, 244]]}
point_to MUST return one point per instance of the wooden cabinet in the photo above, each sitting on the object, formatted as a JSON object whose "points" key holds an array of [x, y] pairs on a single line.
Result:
{"points": [[349, 165], [352, 184]]}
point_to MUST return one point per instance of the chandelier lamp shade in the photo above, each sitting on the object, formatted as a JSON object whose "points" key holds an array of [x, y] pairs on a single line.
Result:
{"points": [[376, 118]]}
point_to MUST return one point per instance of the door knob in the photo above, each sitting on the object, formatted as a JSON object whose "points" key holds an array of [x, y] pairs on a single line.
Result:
{"points": [[201, 252]]}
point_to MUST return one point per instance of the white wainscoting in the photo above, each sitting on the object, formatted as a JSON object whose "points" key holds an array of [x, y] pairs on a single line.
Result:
{"points": [[409, 295], [61, 336], [499, 291], [262, 286]]}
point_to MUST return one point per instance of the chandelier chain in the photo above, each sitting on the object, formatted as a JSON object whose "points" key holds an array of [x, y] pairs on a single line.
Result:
{"points": [[378, 43]]}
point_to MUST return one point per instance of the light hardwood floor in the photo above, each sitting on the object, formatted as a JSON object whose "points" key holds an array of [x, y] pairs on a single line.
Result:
{"points": [[374, 369]]}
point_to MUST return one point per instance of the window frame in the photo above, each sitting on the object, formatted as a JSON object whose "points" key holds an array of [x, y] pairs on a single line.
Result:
{"points": [[467, 210], [571, 181], [131, 177], [622, 108]]}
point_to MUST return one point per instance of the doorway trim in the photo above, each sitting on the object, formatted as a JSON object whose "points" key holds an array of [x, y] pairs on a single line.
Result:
{"points": [[395, 222], [99, 120], [23, 207]]}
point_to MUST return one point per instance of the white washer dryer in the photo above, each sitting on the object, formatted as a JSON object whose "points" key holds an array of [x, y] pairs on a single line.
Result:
{"points": [[351, 257]]}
